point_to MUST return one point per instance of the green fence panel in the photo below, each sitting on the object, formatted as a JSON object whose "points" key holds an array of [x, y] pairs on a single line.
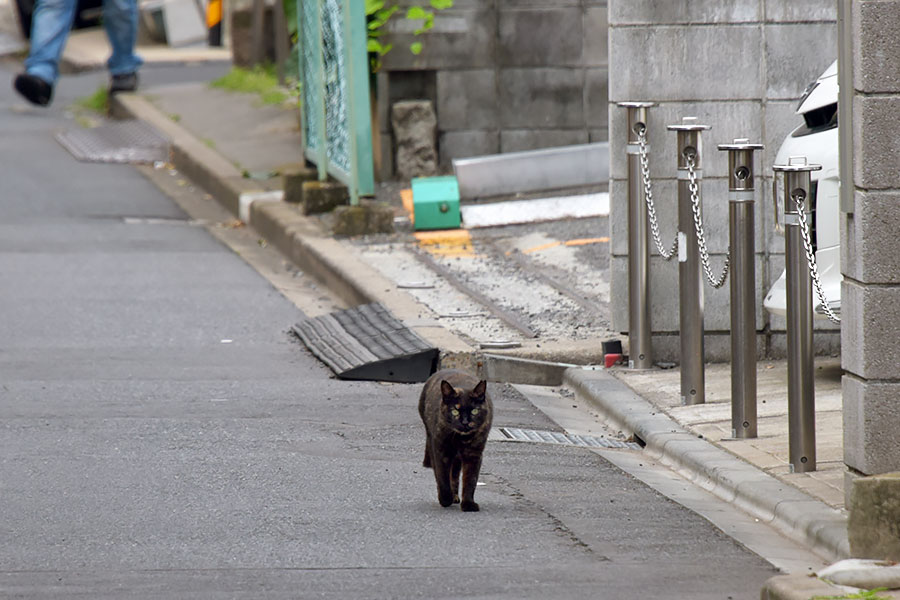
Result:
{"points": [[336, 118]]}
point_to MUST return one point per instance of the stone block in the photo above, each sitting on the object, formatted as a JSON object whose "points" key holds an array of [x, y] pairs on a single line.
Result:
{"points": [[870, 252], [415, 137], [540, 37], [466, 144], [598, 135], [826, 343], [322, 196], [876, 142], [871, 413], [596, 97], [467, 99], [462, 38], [873, 526], [517, 140], [364, 219], [716, 347], [542, 98], [796, 54], [800, 11], [876, 29], [672, 63], [870, 326], [596, 37], [293, 177], [679, 12]]}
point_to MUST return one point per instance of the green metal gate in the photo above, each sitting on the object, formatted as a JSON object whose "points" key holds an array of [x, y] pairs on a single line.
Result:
{"points": [[334, 73]]}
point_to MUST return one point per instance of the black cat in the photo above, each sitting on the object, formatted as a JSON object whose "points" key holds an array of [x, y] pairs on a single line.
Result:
{"points": [[457, 413]]}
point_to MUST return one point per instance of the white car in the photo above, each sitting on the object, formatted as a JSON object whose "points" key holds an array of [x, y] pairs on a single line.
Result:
{"points": [[816, 139]]}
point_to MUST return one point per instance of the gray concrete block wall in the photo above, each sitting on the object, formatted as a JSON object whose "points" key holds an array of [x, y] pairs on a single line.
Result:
{"points": [[739, 66], [511, 75], [870, 252]]}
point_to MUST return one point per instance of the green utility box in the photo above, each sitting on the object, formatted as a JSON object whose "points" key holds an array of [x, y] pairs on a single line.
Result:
{"points": [[435, 203]]}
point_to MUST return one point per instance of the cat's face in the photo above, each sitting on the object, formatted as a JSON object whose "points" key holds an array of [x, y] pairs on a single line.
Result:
{"points": [[464, 410]]}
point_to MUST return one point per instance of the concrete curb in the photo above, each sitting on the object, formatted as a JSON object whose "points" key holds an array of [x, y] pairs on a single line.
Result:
{"points": [[800, 517]]}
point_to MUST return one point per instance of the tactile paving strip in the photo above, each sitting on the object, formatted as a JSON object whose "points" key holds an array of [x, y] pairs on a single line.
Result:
{"points": [[565, 439], [130, 141], [367, 342]]}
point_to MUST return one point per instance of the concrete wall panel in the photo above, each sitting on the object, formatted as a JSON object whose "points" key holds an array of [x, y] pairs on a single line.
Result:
{"points": [[467, 99], [542, 98], [560, 28], [686, 63]]}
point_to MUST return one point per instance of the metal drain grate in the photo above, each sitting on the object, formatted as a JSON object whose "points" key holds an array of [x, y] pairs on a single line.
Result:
{"points": [[116, 142], [513, 434]]}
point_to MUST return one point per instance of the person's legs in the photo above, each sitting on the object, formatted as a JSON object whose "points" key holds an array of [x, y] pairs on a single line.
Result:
{"points": [[50, 27], [120, 18]]}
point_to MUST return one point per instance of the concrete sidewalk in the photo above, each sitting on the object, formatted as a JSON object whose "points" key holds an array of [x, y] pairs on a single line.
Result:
{"points": [[218, 137]]}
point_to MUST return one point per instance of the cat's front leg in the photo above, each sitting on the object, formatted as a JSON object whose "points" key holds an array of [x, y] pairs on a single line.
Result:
{"points": [[471, 466], [455, 469], [441, 466]]}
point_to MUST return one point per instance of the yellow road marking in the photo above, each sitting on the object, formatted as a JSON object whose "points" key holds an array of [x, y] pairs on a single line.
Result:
{"points": [[578, 242], [449, 242]]}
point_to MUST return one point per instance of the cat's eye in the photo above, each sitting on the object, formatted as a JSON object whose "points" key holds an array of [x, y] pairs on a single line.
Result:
{"points": [[474, 411], [454, 412]]}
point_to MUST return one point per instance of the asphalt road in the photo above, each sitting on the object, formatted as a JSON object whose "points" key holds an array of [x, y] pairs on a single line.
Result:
{"points": [[162, 435]]}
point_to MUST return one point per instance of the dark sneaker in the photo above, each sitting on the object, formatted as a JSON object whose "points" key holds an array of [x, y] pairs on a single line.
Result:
{"points": [[34, 89], [126, 82]]}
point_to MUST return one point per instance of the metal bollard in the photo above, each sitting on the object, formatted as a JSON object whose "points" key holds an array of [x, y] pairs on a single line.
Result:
{"points": [[801, 385], [640, 353], [690, 276], [741, 233]]}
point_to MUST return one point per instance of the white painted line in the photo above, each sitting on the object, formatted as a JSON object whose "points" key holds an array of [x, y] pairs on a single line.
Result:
{"points": [[532, 211], [246, 200]]}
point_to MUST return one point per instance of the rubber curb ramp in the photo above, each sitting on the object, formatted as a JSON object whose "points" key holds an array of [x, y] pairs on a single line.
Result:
{"points": [[368, 343]]}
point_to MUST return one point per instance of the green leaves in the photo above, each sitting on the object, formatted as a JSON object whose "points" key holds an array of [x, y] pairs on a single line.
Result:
{"points": [[379, 14]]}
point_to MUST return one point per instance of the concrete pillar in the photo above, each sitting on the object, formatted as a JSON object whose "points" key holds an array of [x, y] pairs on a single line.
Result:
{"points": [[870, 246]]}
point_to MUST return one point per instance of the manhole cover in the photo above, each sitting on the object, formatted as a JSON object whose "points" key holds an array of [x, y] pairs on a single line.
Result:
{"points": [[513, 434], [367, 342], [116, 142]]}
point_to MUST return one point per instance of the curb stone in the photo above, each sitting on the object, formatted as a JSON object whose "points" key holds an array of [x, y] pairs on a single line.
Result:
{"points": [[810, 522]]}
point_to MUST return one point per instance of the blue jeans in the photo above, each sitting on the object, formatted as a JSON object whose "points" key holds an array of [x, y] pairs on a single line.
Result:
{"points": [[50, 27]]}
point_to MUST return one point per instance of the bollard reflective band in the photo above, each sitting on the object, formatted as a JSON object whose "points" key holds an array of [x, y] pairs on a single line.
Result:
{"points": [[634, 148], [685, 174], [742, 195]]}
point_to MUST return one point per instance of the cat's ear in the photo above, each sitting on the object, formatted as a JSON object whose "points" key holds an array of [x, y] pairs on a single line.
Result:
{"points": [[447, 390], [480, 390]]}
